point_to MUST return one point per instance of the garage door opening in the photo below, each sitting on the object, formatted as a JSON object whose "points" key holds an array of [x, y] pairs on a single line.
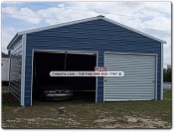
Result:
{"points": [[73, 88]]}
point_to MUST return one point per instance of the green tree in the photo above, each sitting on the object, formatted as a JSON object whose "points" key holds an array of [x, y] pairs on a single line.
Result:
{"points": [[167, 74]]}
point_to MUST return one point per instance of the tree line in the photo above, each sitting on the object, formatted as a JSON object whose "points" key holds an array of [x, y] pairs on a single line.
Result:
{"points": [[167, 74]]}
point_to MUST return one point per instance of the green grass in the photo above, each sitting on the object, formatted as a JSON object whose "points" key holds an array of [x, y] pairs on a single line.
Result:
{"points": [[8, 100], [80, 114]]}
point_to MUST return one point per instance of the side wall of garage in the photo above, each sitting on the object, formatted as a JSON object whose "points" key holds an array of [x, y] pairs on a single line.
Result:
{"points": [[15, 69], [96, 35]]}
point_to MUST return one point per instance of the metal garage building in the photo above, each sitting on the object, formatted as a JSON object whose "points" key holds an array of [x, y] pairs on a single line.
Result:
{"points": [[91, 42]]}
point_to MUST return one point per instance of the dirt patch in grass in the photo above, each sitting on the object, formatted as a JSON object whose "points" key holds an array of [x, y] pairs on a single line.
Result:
{"points": [[131, 122], [81, 114], [64, 122], [39, 122]]}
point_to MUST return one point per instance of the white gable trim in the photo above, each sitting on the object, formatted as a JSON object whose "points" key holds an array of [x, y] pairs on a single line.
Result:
{"points": [[59, 25], [81, 21], [131, 29]]}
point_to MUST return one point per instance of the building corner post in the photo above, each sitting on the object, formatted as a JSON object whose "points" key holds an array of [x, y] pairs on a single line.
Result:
{"points": [[162, 91], [23, 70]]}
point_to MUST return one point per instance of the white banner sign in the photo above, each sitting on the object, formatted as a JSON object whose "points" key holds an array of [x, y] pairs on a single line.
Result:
{"points": [[86, 74]]}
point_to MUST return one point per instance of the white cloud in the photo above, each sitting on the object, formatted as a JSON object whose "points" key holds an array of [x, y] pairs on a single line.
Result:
{"points": [[63, 14], [159, 23], [150, 17], [126, 8], [7, 35], [11, 3], [22, 14]]}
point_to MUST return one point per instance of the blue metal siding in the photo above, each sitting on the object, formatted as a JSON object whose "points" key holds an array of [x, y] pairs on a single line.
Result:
{"points": [[15, 69], [97, 35]]}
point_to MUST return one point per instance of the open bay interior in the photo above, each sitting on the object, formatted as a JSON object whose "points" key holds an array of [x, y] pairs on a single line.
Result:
{"points": [[84, 88]]}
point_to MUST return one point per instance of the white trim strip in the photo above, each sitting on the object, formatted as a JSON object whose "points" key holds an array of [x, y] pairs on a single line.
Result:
{"points": [[162, 71], [156, 75], [24, 37], [126, 99], [67, 51], [129, 53]]}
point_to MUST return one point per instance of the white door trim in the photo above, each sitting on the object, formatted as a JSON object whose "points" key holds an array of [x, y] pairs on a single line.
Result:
{"points": [[70, 52]]}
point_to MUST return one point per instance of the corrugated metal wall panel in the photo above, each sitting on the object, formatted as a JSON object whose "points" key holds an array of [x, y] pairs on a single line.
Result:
{"points": [[139, 80], [15, 69], [95, 35]]}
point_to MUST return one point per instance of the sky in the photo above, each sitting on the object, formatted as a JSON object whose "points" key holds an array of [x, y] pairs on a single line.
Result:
{"points": [[153, 18]]}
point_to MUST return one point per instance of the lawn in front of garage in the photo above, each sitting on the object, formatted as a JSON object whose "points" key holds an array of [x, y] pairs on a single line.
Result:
{"points": [[83, 114]]}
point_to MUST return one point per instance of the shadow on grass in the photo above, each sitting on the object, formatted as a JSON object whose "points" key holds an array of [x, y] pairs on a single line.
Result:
{"points": [[9, 100]]}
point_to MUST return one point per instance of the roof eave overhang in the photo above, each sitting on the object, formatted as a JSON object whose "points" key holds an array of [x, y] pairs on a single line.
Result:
{"points": [[11, 42]]}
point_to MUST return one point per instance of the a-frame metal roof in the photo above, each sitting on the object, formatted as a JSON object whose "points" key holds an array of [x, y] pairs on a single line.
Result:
{"points": [[81, 21]]}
